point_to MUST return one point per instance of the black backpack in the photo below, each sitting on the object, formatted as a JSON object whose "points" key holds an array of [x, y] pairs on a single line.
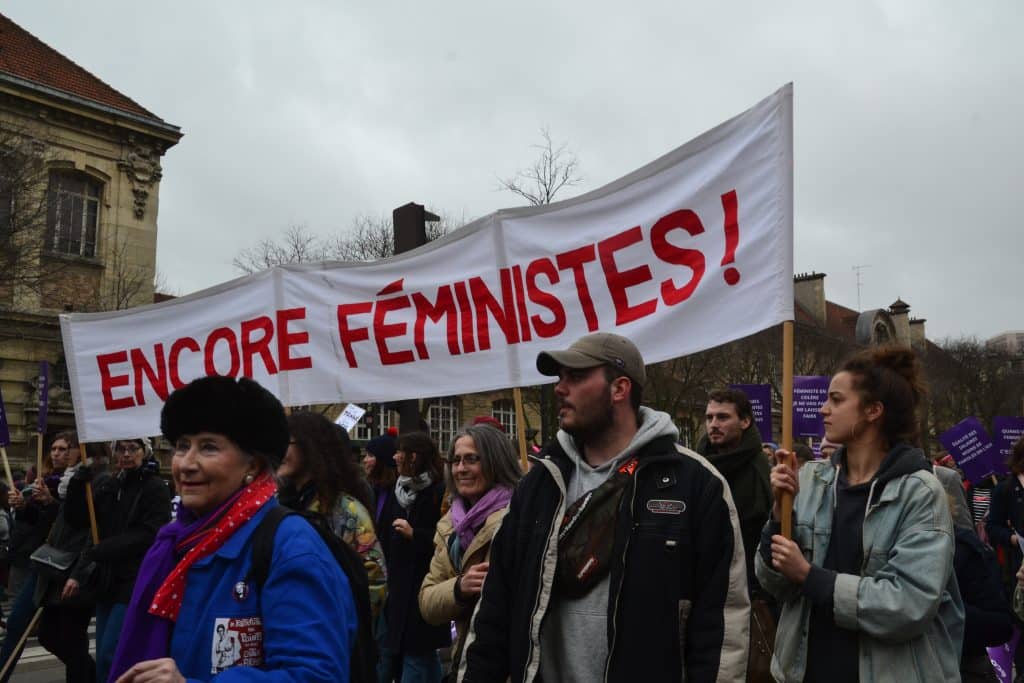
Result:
{"points": [[363, 663]]}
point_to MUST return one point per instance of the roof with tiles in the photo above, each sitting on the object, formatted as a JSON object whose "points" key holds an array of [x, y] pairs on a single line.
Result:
{"points": [[26, 57]]}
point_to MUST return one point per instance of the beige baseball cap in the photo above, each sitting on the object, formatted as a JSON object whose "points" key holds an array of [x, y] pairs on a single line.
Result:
{"points": [[600, 348]]}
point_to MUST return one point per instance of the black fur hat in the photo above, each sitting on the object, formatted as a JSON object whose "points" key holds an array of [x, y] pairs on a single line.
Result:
{"points": [[241, 410]]}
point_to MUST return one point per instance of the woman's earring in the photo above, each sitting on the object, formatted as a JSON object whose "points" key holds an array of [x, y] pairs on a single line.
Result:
{"points": [[249, 478]]}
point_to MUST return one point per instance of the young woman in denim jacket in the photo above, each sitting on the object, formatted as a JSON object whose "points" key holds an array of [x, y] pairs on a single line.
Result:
{"points": [[866, 586]]}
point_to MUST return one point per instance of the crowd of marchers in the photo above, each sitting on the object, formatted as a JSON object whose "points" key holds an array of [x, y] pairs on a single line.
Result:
{"points": [[616, 553]]}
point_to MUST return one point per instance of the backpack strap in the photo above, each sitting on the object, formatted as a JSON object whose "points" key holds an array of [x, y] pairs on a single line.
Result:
{"points": [[263, 544]]}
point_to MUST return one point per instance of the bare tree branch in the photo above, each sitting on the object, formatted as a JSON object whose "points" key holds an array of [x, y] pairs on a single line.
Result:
{"points": [[555, 168]]}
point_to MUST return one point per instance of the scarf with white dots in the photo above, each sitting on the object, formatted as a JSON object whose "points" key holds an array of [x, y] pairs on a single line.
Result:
{"points": [[207, 540]]}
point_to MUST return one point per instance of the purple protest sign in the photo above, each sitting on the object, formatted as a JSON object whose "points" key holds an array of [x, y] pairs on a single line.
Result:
{"points": [[5, 432], [809, 392], [1006, 431], [760, 396], [971, 448], [1001, 657], [44, 395]]}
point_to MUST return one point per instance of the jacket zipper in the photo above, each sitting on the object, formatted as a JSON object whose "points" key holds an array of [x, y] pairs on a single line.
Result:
{"points": [[618, 591]]}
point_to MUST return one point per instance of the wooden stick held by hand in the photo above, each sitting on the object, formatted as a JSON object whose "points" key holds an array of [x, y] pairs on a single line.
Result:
{"points": [[787, 421], [7, 468], [93, 526]]}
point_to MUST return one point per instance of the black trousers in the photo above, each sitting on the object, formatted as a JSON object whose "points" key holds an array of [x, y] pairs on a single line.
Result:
{"points": [[64, 631]]}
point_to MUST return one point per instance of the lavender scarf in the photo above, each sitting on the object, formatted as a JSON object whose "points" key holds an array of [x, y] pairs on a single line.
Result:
{"points": [[145, 636], [468, 522]]}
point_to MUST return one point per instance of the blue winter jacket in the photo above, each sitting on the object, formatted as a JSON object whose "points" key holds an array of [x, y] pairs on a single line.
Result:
{"points": [[298, 629]]}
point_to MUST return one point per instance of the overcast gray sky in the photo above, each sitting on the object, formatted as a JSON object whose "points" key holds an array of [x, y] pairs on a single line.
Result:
{"points": [[907, 124]]}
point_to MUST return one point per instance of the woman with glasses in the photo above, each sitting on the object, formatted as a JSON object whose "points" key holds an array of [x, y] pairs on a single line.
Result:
{"points": [[130, 507], [481, 472]]}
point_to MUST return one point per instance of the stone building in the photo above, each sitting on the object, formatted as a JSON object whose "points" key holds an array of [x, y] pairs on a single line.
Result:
{"points": [[79, 187]]}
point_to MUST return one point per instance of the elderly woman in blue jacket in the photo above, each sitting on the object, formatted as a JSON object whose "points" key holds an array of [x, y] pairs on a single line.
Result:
{"points": [[195, 615], [866, 586]]}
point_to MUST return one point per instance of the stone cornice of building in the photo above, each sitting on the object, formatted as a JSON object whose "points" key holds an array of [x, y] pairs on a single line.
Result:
{"points": [[68, 103], [15, 324]]}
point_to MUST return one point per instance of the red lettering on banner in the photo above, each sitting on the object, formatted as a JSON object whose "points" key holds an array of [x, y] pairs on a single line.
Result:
{"points": [[620, 280], [732, 236], [544, 266], [444, 307], [349, 335], [383, 331], [574, 260], [286, 340], [257, 347], [172, 358], [524, 319], [669, 253], [504, 313], [228, 335], [466, 316], [109, 382], [157, 377]]}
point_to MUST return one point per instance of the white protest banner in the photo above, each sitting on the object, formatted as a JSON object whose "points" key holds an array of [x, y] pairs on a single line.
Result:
{"points": [[350, 416], [689, 252]]}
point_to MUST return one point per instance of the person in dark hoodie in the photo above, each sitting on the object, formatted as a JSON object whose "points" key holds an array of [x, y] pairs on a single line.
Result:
{"points": [[987, 621], [867, 587], [131, 506], [733, 445]]}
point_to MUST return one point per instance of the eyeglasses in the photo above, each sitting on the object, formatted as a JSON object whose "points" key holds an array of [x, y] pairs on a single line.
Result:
{"points": [[130, 448], [468, 459]]}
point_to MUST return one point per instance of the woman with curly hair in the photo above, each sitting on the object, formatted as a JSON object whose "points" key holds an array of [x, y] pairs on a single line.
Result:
{"points": [[866, 585], [319, 474]]}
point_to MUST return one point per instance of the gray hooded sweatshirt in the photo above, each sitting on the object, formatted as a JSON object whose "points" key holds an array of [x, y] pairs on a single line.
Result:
{"points": [[574, 637]]}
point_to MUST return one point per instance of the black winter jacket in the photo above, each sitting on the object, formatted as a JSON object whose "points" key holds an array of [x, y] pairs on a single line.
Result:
{"points": [[747, 471], [987, 618], [1006, 517], [130, 508], [678, 605], [408, 562]]}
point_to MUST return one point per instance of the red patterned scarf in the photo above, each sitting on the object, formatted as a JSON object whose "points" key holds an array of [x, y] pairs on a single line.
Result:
{"points": [[235, 512]]}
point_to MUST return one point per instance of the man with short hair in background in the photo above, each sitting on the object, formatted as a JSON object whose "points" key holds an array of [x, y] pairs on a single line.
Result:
{"points": [[733, 445]]}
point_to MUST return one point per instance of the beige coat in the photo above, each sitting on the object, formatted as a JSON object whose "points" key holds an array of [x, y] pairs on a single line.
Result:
{"points": [[437, 594]]}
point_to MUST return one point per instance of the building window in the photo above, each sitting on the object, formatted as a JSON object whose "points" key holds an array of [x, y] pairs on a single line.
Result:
{"points": [[73, 214], [504, 411], [443, 418], [381, 419]]}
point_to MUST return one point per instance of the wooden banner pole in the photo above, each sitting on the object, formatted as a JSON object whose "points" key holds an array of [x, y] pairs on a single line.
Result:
{"points": [[17, 650], [517, 395], [787, 420], [93, 526], [7, 468]]}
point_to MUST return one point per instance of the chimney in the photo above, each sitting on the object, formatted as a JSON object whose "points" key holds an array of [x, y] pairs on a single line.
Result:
{"points": [[900, 312], [917, 338], [809, 292]]}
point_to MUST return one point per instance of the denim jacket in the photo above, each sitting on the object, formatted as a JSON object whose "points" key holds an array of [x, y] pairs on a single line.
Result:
{"points": [[905, 604]]}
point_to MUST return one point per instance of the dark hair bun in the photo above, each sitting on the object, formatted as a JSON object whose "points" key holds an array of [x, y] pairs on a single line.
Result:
{"points": [[241, 410], [892, 376]]}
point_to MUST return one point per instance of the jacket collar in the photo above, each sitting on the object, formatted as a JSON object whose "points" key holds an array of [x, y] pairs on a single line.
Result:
{"points": [[239, 540]]}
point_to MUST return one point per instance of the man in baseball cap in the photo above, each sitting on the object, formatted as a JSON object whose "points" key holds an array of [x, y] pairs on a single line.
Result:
{"points": [[614, 467]]}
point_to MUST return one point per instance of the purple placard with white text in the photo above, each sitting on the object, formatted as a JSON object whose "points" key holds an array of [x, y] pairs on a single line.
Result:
{"points": [[809, 392], [1006, 431], [5, 432], [44, 395], [760, 396], [971, 448]]}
